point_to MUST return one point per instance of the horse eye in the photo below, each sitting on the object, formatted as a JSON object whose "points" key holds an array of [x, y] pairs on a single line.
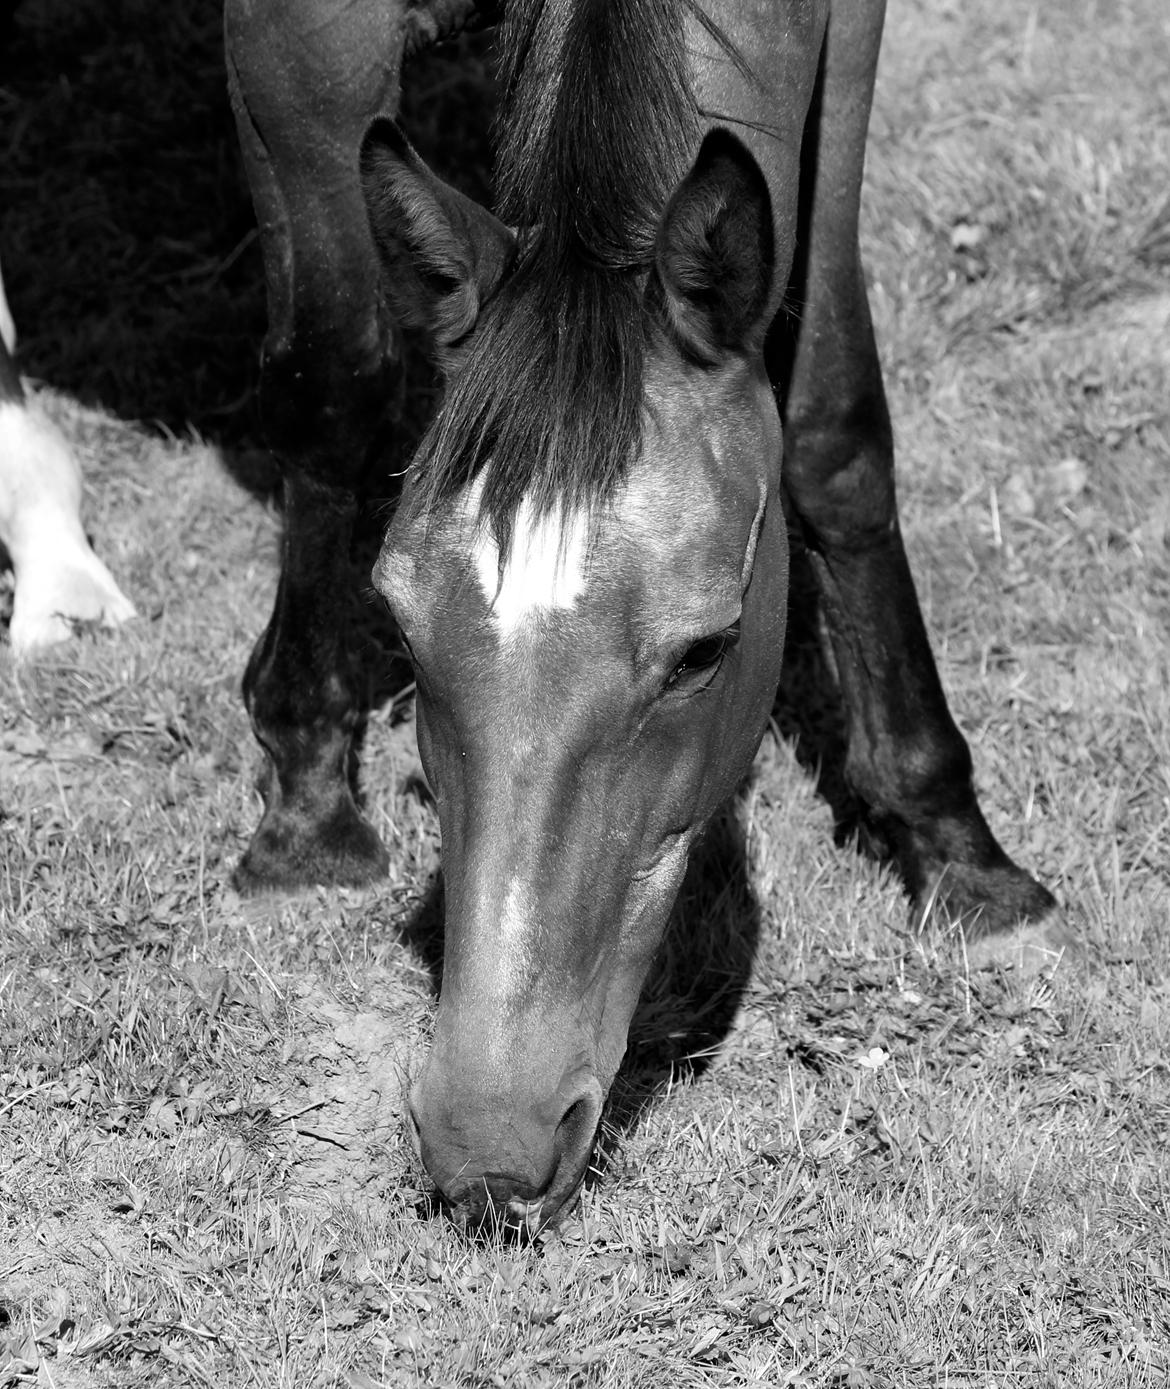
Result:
{"points": [[706, 654]]}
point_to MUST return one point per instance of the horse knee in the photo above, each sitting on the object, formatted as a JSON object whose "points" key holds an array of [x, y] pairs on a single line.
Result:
{"points": [[922, 775], [839, 473], [322, 410]]}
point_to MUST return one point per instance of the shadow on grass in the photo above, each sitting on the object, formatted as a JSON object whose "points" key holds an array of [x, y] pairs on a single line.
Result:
{"points": [[695, 987], [144, 296], [423, 931]]}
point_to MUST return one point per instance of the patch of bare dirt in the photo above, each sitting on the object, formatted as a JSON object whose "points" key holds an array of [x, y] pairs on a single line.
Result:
{"points": [[349, 1071]]}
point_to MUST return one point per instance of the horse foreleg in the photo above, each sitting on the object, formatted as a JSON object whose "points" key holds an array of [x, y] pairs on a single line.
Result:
{"points": [[906, 759], [300, 693], [59, 579], [307, 77]]}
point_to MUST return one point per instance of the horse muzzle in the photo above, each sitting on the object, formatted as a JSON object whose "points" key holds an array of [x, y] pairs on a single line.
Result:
{"points": [[505, 1163]]}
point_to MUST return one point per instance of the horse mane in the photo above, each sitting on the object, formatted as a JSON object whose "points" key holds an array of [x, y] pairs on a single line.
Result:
{"points": [[597, 124]]}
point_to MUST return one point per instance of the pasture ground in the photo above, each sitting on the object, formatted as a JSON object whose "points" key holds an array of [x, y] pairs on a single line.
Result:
{"points": [[838, 1157]]}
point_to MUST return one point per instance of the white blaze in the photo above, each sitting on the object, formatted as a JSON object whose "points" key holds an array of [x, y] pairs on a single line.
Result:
{"points": [[516, 914], [544, 569]]}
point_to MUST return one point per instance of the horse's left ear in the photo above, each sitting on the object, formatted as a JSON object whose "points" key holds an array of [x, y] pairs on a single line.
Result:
{"points": [[713, 253], [443, 254]]}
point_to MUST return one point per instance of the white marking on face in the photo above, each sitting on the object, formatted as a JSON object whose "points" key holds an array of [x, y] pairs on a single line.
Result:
{"points": [[544, 570], [504, 969], [516, 912]]}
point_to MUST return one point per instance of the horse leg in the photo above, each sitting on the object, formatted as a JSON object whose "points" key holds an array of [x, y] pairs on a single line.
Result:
{"points": [[906, 759], [59, 579], [306, 78]]}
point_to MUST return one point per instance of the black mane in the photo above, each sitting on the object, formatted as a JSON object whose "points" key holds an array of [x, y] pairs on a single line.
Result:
{"points": [[597, 123]]}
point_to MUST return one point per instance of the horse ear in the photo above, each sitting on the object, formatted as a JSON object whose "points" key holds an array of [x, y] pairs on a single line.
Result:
{"points": [[442, 253], [714, 252]]}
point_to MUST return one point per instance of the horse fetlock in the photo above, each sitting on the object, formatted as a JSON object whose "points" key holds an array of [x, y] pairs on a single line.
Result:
{"points": [[303, 717], [841, 481], [307, 733], [309, 840], [312, 830]]}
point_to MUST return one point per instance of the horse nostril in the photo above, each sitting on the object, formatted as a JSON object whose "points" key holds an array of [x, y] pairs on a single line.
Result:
{"points": [[576, 1126], [573, 1143]]}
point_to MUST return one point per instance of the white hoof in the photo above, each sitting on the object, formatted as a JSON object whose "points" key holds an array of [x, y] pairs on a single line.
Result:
{"points": [[59, 579], [50, 603]]}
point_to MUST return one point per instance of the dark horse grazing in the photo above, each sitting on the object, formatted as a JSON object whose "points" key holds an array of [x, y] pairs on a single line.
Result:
{"points": [[589, 558]]}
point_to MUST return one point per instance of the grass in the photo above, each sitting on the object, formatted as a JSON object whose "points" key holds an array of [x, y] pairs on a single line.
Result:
{"points": [[837, 1157]]}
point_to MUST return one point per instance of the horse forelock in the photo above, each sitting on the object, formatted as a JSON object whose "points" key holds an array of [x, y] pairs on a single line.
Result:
{"points": [[597, 123]]}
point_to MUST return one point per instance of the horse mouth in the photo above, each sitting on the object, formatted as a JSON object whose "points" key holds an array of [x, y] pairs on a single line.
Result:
{"points": [[493, 1209], [525, 1216], [516, 1220]]}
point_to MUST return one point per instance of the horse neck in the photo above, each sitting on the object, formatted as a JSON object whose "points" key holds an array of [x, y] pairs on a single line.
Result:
{"points": [[597, 124]]}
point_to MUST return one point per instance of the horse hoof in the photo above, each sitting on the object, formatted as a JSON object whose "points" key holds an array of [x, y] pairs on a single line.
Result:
{"points": [[982, 901], [1002, 916], [1032, 947], [288, 852], [50, 605]]}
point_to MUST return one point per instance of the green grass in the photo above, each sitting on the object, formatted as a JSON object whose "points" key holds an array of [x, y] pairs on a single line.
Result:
{"points": [[837, 1157]]}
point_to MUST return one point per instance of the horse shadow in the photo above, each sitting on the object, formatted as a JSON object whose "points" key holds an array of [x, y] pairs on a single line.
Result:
{"points": [[697, 984], [693, 994]]}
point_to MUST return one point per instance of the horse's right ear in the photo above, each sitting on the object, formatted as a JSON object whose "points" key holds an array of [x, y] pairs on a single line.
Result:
{"points": [[443, 254], [714, 252]]}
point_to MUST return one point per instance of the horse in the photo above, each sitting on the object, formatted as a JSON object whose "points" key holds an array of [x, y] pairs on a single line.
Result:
{"points": [[656, 357], [59, 579]]}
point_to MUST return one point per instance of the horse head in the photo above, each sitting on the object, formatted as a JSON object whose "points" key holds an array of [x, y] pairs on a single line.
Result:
{"points": [[594, 673]]}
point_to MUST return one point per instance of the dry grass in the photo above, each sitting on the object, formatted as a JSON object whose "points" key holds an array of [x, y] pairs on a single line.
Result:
{"points": [[837, 1157]]}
